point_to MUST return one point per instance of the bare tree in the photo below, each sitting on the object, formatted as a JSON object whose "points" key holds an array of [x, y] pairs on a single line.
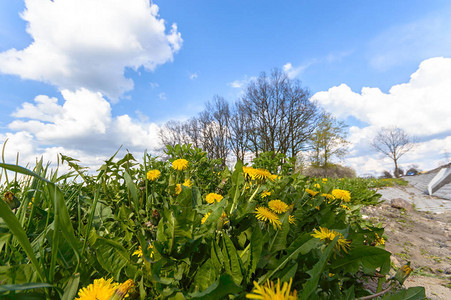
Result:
{"points": [[393, 142], [217, 131], [174, 132], [280, 117], [274, 115], [192, 129], [238, 131]]}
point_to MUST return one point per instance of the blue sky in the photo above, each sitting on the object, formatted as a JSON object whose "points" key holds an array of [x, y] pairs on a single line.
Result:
{"points": [[216, 48]]}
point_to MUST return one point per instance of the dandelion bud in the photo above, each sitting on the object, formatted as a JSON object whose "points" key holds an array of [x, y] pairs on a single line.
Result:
{"points": [[123, 290]]}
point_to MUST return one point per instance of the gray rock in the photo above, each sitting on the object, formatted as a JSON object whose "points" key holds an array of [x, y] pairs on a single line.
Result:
{"points": [[401, 203], [395, 261]]}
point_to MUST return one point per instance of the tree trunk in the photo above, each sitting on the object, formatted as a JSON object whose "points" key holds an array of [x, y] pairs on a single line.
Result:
{"points": [[396, 168]]}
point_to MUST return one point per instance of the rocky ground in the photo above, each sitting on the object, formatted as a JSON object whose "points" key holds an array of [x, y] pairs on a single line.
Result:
{"points": [[421, 237]]}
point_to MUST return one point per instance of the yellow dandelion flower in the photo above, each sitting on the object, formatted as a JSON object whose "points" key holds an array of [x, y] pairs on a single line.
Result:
{"points": [[31, 202], [328, 196], [224, 217], [291, 220], [264, 214], [178, 187], [345, 207], [263, 174], [139, 252], [317, 186], [317, 207], [331, 274], [403, 272], [342, 195], [257, 174], [379, 240], [180, 164], [212, 197], [271, 291], [406, 269], [311, 192], [329, 235], [101, 289], [11, 200], [123, 290], [249, 172], [265, 194], [153, 175], [204, 219], [324, 180], [278, 206]]}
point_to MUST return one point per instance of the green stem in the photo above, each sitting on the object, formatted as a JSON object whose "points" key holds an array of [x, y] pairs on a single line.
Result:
{"points": [[245, 250]]}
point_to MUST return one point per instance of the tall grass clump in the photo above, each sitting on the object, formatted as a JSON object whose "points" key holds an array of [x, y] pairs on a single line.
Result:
{"points": [[188, 228]]}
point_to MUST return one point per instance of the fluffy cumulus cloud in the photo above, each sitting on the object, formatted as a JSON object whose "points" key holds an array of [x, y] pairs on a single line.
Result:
{"points": [[421, 107], [83, 48], [83, 114], [89, 43], [82, 127]]}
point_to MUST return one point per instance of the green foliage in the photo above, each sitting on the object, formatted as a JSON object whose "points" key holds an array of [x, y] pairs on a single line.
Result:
{"points": [[328, 141], [276, 163], [384, 182], [69, 230]]}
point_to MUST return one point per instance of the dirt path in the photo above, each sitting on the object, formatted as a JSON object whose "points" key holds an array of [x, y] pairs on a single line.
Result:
{"points": [[423, 238]]}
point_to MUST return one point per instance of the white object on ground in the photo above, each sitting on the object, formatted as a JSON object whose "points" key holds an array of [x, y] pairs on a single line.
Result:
{"points": [[437, 182]]}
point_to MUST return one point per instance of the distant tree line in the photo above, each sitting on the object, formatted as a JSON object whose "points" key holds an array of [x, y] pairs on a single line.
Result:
{"points": [[274, 115]]}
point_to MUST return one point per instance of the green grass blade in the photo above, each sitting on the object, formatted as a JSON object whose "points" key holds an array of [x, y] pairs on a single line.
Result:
{"points": [[133, 191], [14, 226], [61, 212], [22, 170], [412, 293], [71, 288], [22, 287]]}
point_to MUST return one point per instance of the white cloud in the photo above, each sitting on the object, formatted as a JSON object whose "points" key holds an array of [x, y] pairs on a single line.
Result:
{"points": [[20, 142], [293, 72], [162, 96], [426, 155], [154, 85], [238, 84], [421, 106], [193, 76], [89, 43], [83, 114], [82, 127]]}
